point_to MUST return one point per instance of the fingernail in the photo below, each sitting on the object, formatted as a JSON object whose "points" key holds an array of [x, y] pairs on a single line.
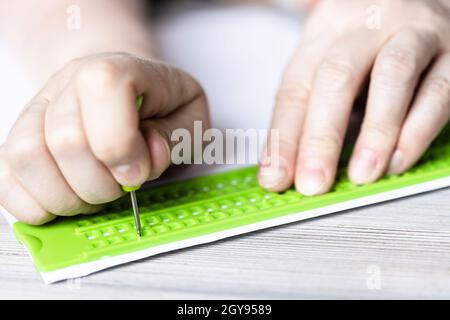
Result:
{"points": [[396, 162], [363, 166], [128, 174], [311, 181], [270, 177], [130, 189]]}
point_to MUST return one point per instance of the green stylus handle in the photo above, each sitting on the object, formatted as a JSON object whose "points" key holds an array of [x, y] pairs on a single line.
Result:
{"points": [[130, 189]]}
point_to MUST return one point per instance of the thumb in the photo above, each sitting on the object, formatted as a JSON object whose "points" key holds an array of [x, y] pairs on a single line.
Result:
{"points": [[158, 132], [172, 100]]}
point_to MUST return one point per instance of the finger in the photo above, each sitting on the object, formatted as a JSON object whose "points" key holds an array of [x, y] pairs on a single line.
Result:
{"points": [[335, 87], [159, 149], [429, 113], [109, 91], [277, 167], [158, 133], [107, 97], [166, 90], [33, 165], [67, 142], [176, 101], [394, 78], [16, 200]]}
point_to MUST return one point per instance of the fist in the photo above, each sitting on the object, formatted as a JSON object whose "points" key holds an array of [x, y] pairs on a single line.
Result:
{"points": [[81, 137]]}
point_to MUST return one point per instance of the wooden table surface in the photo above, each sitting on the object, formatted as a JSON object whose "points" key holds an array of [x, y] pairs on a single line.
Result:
{"points": [[398, 249]]}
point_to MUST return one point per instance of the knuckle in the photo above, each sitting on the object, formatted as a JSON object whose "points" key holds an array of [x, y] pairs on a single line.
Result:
{"points": [[114, 152], [417, 134], [98, 74], [396, 68], [68, 208], [22, 149], [66, 138], [326, 143], [335, 74], [439, 87], [380, 131], [106, 153], [287, 143], [292, 95]]}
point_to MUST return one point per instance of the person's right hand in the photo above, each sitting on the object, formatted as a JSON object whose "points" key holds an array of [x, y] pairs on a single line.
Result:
{"points": [[81, 137]]}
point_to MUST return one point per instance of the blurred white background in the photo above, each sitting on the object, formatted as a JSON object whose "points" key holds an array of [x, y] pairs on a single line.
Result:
{"points": [[236, 52]]}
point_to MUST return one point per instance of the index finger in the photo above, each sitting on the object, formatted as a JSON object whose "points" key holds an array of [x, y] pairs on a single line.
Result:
{"points": [[108, 89], [336, 85]]}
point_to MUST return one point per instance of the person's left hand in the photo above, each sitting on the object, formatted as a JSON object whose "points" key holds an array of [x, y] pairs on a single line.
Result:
{"points": [[408, 59]]}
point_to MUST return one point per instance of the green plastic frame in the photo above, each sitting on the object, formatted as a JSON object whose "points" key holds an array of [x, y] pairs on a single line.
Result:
{"points": [[199, 207]]}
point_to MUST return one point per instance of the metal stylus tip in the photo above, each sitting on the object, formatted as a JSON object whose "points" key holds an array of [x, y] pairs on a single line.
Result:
{"points": [[137, 218]]}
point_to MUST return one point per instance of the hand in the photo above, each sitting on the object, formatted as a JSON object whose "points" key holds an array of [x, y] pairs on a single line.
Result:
{"points": [[408, 61], [81, 136]]}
